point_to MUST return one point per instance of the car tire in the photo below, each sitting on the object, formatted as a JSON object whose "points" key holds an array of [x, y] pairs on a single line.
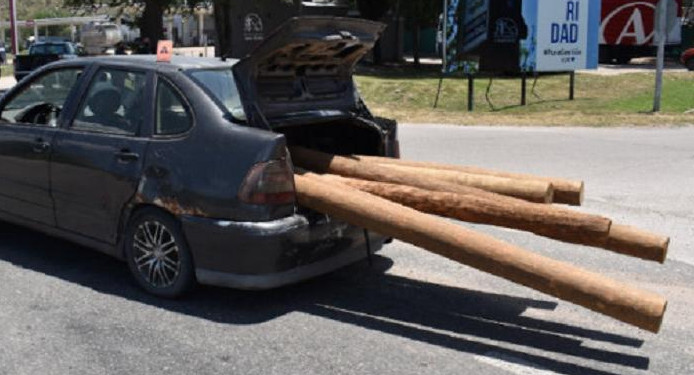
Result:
{"points": [[689, 64], [157, 254]]}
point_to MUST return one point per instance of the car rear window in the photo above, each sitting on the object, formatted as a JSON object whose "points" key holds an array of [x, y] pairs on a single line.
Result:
{"points": [[52, 49], [220, 84]]}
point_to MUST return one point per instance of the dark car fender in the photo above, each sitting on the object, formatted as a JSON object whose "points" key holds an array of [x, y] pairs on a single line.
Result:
{"points": [[199, 173], [210, 184]]}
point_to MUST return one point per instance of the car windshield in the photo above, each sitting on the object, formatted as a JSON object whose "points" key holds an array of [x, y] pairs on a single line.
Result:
{"points": [[220, 84]]}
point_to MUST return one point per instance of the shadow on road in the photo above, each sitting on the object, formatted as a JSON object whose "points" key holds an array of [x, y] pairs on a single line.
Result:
{"points": [[459, 319]]}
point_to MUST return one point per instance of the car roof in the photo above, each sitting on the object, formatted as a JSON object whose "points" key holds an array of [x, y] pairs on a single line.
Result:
{"points": [[50, 43], [150, 62]]}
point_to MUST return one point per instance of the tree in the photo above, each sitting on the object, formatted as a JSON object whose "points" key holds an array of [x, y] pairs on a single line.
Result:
{"points": [[375, 11], [223, 23], [419, 14], [52, 12], [28, 9], [151, 23]]}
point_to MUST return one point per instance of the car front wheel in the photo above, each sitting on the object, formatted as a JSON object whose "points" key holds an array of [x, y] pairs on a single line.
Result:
{"points": [[689, 64], [157, 254]]}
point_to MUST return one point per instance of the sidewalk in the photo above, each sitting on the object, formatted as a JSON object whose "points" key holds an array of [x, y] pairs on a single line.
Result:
{"points": [[6, 83]]}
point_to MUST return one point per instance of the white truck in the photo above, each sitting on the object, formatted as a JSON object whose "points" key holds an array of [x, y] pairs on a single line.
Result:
{"points": [[100, 38]]}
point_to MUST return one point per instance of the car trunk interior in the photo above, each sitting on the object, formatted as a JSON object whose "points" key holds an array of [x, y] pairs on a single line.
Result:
{"points": [[341, 137]]}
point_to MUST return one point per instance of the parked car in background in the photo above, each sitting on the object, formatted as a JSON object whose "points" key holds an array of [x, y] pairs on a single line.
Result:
{"points": [[40, 54], [181, 168]]}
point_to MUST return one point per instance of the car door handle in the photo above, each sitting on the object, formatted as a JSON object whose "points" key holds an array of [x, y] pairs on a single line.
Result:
{"points": [[126, 156], [40, 146]]}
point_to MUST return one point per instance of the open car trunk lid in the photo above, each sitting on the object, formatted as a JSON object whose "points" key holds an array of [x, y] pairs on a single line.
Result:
{"points": [[305, 67]]}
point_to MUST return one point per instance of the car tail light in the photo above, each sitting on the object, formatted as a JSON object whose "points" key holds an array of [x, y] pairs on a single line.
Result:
{"points": [[269, 183]]}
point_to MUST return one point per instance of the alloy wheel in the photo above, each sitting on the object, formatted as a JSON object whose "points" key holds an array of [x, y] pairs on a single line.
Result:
{"points": [[156, 254]]}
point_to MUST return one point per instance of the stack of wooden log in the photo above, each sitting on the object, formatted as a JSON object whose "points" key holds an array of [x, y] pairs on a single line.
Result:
{"points": [[396, 197]]}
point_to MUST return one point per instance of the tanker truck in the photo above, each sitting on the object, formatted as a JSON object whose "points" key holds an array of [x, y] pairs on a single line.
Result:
{"points": [[98, 38]]}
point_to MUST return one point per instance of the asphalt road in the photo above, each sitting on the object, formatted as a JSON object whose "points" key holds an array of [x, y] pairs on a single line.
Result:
{"points": [[67, 310]]}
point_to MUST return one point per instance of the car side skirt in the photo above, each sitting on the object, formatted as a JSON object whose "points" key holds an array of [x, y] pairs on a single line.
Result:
{"points": [[103, 247]]}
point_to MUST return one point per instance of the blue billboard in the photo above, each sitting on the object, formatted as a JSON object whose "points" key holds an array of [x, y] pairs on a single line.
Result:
{"points": [[521, 35], [562, 35]]}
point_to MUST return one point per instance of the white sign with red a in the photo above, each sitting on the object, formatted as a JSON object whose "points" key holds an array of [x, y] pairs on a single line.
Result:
{"points": [[632, 23]]}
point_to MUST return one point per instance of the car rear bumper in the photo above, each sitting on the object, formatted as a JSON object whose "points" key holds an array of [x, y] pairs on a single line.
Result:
{"points": [[264, 255]]}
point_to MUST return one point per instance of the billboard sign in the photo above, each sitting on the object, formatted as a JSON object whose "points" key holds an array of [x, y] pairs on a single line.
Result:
{"points": [[563, 35], [633, 23], [476, 24], [522, 35], [466, 29]]}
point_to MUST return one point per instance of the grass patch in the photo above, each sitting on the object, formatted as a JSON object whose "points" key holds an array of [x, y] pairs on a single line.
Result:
{"points": [[6, 70], [619, 100]]}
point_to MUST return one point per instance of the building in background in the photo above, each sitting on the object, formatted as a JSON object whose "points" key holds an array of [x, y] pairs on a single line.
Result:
{"points": [[252, 21]]}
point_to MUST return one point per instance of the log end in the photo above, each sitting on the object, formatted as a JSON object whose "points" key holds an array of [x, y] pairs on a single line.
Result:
{"points": [[569, 192], [530, 191], [655, 321], [638, 243], [659, 322]]}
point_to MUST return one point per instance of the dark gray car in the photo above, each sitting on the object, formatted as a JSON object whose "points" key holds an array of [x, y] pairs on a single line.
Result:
{"points": [[182, 169]]}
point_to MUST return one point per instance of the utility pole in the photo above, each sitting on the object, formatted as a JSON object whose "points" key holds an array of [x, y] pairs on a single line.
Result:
{"points": [[661, 33], [444, 39], [13, 27], [2, 29]]}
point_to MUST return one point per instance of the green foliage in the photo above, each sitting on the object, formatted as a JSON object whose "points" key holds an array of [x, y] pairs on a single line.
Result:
{"points": [[50, 13], [32, 9], [161, 4], [37, 9]]}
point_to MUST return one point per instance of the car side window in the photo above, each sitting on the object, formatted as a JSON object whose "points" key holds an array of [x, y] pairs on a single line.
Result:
{"points": [[172, 114], [114, 103], [41, 101]]}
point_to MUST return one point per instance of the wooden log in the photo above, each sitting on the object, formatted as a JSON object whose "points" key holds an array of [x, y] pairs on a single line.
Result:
{"points": [[326, 163], [545, 220], [636, 242], [565, 191], [633, 306], [548, 221], [529, 190]]}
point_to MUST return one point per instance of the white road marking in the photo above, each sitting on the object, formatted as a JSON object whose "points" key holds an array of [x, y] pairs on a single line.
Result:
{"points": [[512, 364]]}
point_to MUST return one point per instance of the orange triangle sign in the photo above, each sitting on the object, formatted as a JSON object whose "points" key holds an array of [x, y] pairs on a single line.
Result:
{"points": [[164, 50]]}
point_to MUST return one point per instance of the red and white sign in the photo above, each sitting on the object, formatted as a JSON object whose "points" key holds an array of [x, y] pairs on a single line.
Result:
{"points": [[632, 23]]}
